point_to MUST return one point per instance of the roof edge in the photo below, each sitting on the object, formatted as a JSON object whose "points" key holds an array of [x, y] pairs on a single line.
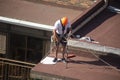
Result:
{"points": [[26, 23]]}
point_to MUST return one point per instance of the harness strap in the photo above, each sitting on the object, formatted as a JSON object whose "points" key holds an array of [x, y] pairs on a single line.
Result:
{"points": [[63, 27]]}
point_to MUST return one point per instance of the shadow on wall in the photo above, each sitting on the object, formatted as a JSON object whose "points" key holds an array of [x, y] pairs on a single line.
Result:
{"points": [[115, 3], [94, 23], [112, 59]]}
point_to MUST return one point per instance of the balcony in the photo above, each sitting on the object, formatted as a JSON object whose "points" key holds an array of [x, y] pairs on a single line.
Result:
{"points": [[14, 70]]}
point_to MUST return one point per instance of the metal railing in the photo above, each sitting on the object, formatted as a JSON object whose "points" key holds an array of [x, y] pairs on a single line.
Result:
{"points": [[14, 70]]}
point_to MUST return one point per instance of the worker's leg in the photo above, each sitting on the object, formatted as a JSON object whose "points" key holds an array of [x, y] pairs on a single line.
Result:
{"points": [[56, 52], [63, 53], [64, 43]]}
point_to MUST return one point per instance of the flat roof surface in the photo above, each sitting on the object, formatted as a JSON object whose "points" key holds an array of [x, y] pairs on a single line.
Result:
{"points": [[104, 28], [34, 12], [80, 67]]}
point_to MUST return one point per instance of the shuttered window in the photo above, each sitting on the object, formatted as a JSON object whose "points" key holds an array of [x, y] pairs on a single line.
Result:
{"points": [[2, 44]]}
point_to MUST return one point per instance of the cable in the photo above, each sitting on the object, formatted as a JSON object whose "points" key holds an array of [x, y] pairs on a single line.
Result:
{"points": [[105, 62], [48, 51]]}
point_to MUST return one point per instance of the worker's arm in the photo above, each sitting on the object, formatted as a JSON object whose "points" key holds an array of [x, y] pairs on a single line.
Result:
{"points": [[55, 36], [70, 30], [69, 33]]}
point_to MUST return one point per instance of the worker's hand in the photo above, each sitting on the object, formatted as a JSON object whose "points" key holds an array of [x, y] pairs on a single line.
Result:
{"points": [[58, 39], [55, 38], [69, 35]]}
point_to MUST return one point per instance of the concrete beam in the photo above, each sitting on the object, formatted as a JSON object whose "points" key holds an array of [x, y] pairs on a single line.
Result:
{"points": [[95, 47]]}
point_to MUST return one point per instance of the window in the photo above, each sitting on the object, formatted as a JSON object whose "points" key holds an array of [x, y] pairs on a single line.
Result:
{"points": [[26, 48]]}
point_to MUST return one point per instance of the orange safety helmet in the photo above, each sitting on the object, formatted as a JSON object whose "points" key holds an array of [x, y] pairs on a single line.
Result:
{"points": [[64, 21]]}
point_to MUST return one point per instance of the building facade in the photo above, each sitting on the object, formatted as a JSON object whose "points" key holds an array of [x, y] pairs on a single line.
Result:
{"points": [[20, 49]]}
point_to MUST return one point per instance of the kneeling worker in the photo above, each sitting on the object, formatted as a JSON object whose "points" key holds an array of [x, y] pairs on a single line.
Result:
{"points": [[62, 28]]}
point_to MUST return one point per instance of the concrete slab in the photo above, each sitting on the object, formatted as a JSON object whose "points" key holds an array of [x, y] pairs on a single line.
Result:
{"points": [[93, 46], [78, 68]]}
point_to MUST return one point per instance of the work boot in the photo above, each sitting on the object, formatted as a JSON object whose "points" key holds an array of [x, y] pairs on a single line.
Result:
{"points": [[55, 60], [64, 60]]}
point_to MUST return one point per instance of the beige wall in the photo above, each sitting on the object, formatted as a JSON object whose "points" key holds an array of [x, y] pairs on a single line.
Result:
{"points": [[2, 44]]}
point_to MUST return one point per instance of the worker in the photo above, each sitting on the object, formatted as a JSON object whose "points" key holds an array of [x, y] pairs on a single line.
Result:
{"points": [[62, 28]]}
